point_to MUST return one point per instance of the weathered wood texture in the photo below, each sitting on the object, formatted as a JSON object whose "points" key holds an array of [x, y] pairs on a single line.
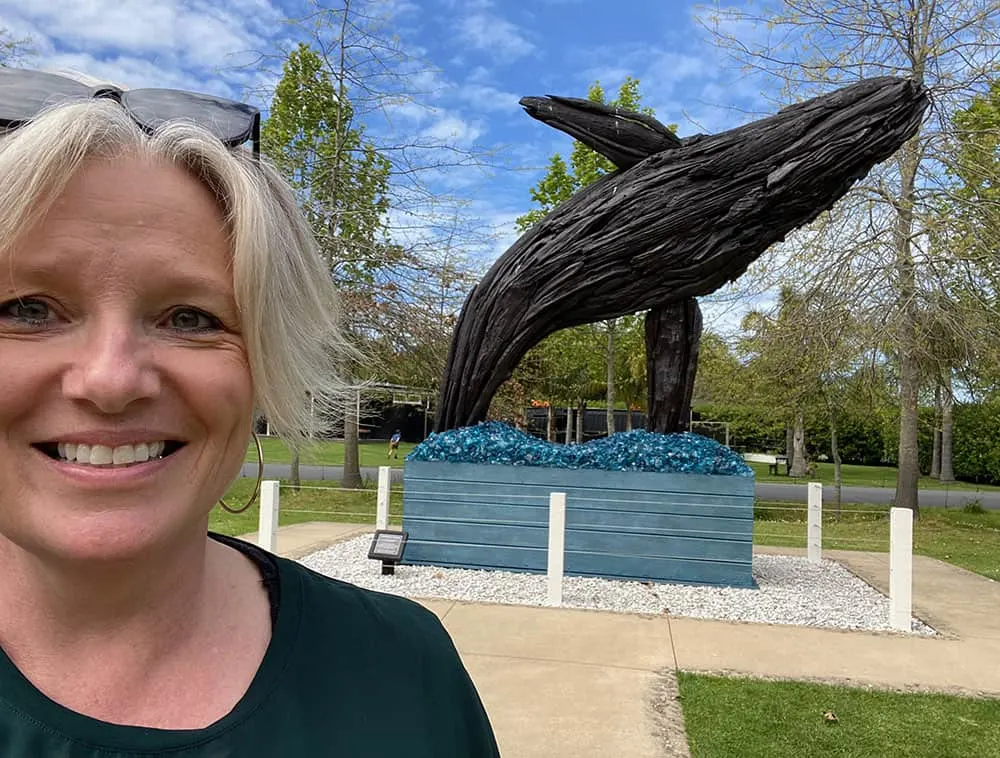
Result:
{"points": [[625, 138], [687, 528], [672, 336], [679, 224]]}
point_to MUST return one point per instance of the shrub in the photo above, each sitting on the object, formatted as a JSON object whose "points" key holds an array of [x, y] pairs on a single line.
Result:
{"points": [[974, 507]]}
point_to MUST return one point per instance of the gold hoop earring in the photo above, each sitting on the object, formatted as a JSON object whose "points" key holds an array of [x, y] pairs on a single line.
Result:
{"points": [[260, 478]]}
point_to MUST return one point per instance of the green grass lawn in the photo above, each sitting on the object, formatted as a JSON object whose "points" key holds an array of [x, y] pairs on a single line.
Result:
{"points": [[970, 540], [744, 718], [863, 476], [329, 453], [316, 501]]}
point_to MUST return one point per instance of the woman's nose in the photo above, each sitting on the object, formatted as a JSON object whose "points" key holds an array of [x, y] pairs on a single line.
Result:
{"points": [[112, 366]]}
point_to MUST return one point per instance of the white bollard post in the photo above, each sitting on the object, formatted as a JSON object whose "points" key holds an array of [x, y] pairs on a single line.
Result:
{"points": [[557, 544], [267, 526], [814, 535], [382, 503], [900, 568]]}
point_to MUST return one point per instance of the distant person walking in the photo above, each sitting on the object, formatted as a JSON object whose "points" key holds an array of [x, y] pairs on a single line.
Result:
{"points": [[394, 445]]}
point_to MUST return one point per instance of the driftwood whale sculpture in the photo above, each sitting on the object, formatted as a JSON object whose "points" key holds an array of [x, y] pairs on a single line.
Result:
{"points": [[679, 219]]}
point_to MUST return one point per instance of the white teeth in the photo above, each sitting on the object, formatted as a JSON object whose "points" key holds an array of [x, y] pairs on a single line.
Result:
{"points": [[104, 455], [123, 454], [100, 455]]}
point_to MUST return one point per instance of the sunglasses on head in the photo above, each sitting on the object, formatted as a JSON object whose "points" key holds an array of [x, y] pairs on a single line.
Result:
{"points": [[25, 94]]}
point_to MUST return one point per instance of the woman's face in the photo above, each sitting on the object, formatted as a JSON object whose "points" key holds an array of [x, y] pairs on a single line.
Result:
{"points": [[125, 393]]}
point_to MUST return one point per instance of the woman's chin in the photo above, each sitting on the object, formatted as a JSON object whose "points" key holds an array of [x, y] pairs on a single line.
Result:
{"points": [[108, 537]]}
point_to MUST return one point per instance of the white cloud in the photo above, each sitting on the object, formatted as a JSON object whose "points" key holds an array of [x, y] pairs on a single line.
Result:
{"points": [[408, 112], [125, 71], [494, 35], [127, 39], [468, 5], [198, 36], [487, 99], [453, 130]]}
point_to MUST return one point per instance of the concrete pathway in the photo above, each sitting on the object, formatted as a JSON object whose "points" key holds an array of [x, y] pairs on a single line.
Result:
{"points": [[583, 683]]}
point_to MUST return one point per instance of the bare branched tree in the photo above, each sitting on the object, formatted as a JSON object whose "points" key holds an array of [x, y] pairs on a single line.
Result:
{"points": [[385, 283], [873, 250]]}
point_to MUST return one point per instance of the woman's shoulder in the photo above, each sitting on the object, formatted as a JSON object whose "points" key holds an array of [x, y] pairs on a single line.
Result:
{"points": [[329, 600]]}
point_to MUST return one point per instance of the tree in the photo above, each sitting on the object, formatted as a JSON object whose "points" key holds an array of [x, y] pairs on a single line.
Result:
{"points": [[970, 222], [416, 323], [630, 365], [560, 183], [951, 48], [783, 366], [720, 377], [341, 182], [13, 50], [380, 155], [802, 355]]}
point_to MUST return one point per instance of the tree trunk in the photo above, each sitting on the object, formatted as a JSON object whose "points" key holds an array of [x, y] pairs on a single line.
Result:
{"points": [[799, 447], [790, 443], [352, 464], [936, 449], [908, 337], [611, 324], [628, 418], [550, 424], [295, 479], [909, 472], [835, 454], [947, 427], [672, 336], [569, 425], [581, 416]]}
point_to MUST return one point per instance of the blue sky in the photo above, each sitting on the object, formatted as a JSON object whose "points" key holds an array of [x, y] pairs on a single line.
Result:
{"points": [[479, 57]]}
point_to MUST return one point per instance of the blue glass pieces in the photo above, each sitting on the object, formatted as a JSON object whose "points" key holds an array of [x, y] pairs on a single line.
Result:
{"points": [[494, 442]]}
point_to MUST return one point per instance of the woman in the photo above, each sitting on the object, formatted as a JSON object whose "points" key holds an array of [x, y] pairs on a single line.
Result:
{"points": [[160, 290]]}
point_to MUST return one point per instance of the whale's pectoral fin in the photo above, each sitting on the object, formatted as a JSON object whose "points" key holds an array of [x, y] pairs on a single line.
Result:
{"points": [[625, 138]]}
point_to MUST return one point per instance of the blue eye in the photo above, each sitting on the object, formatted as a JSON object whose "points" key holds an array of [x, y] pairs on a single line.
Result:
{"points": [[27, 312], [192, 320]]}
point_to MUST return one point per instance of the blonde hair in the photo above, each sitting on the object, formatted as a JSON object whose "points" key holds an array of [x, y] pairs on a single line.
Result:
{"points": [[287, 303]]}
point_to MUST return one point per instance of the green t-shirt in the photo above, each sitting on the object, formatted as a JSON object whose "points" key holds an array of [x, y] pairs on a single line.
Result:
{"points": [[348, 673]]}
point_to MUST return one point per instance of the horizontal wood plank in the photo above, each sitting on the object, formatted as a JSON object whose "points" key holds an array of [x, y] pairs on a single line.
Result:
{"points": [[639, 525]]}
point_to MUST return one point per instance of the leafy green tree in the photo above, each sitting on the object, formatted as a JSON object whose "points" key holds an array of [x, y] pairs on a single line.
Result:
{"points": [[801, 356], [341, 180], [969, 225], [720, 377], [342, 185], [960, 320]]}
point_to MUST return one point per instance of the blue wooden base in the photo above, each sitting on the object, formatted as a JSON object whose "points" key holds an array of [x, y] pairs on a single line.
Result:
{"points": [[686, 528]]}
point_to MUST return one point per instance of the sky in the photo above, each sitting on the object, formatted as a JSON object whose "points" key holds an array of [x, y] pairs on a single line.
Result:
{"points": [[471, 61]]}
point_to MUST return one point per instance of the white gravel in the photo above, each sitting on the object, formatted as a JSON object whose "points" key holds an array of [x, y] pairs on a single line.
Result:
{"points": [[791, 590]]}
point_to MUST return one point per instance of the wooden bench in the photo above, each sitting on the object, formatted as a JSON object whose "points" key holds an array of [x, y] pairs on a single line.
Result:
{"points": [[772, 461]]}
